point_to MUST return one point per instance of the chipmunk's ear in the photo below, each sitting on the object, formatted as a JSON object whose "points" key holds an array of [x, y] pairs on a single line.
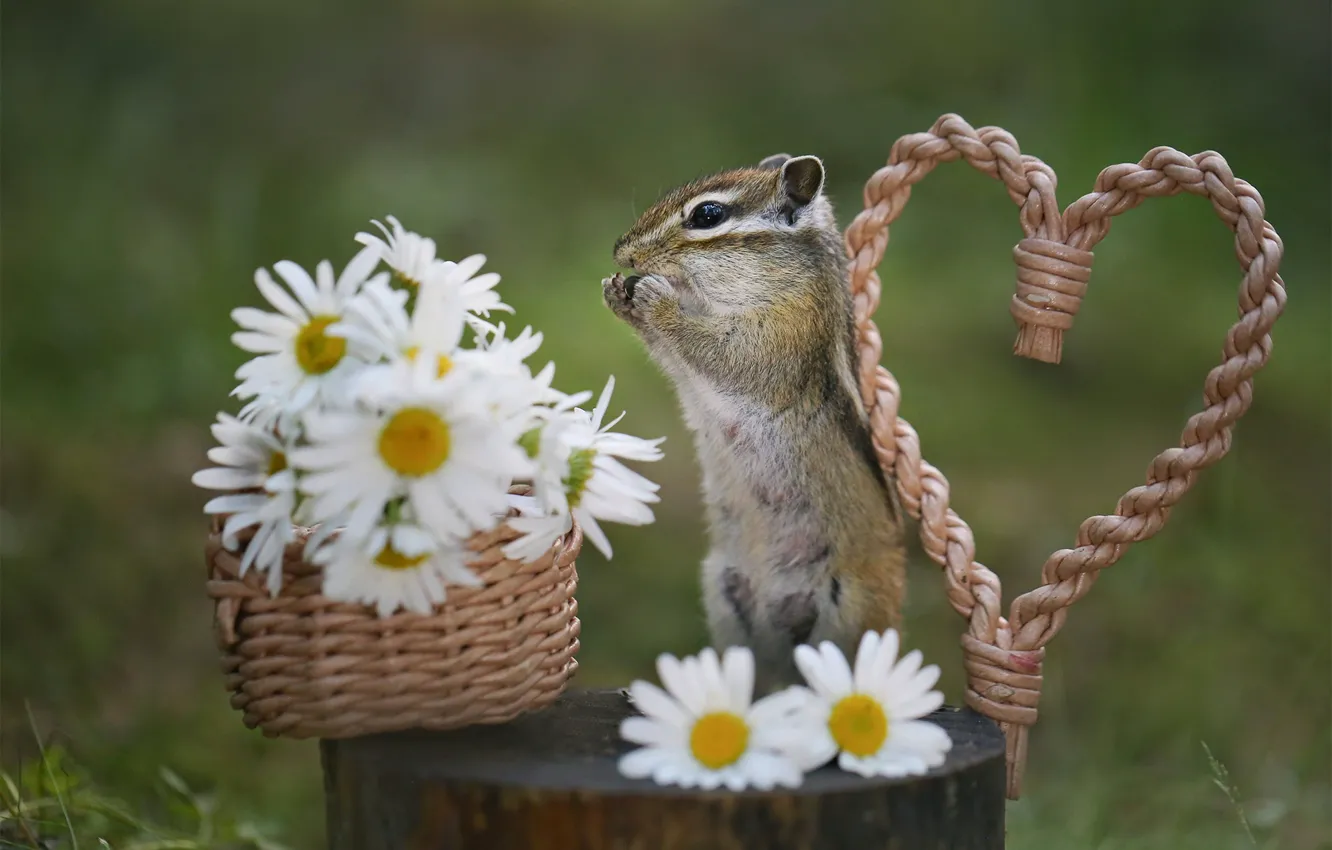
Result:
{"points": [[802, 178], [777, 160]]}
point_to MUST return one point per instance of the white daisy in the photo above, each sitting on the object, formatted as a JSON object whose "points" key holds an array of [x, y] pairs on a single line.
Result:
{"points": [[870, 716], [301, 360], [503, 360], [433, 440], [506, 356], [268, 414], [398, 565], [579, 477], [378, 318], [412, 258], [252, 459], [410, 255], [703, 731], [477, 292]]}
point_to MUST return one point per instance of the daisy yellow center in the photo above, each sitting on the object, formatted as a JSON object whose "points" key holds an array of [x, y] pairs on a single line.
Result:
{"points": [[442, 365], [414, 442], [718, 739], [276, 463], [580, 470], [391, 559], [858, 725], [316, 351]]}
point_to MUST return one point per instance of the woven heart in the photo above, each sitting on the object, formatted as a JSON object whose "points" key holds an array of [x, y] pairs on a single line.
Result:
{"points": [[1003, 656]]}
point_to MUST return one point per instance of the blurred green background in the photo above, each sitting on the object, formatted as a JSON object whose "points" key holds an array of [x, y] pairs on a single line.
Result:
{"points": [[155, 153]]}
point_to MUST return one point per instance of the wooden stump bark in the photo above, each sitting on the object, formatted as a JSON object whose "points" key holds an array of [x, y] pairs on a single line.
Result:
{"points": [[547, 781]]}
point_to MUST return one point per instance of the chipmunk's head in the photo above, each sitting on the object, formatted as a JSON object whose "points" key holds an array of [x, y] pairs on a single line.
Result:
{"points": [[735, 237]]}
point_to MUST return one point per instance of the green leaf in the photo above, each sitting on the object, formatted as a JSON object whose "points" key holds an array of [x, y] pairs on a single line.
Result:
{"points": [[175, 783], [12, 797]]}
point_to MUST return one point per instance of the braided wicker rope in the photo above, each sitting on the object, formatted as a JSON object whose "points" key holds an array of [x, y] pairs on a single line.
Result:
{"points": [[301, 665], [1003, 656]]}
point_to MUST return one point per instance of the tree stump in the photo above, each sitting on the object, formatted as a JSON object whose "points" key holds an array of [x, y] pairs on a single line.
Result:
{"points": [[548, 781]]}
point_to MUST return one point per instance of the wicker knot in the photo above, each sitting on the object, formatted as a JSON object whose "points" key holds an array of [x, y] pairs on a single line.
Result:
{"points": [[1005, 685], [1051, 280]]}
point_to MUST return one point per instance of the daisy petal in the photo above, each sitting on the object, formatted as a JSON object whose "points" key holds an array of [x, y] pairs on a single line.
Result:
{"points": [[778, 707], [257, 343], [682, 686], [357, 271], [903, 673], [643, 730], [810, 664], [920, 736], [866, 654], [852, 764], [602, 403], [266, 323], [220, 478], [464, 269], [594, 533], [917, 707], [884, 661], [923, 681], [643, 763], [654, 702], [280, 300], [234, 502], [766, 770], [836, 672], [301, 285], [738, 675], [677, 770], [714, 685]]}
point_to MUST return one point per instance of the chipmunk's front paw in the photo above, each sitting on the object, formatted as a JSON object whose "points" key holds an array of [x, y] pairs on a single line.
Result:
{"points": [[617, 295], [632, 298]]}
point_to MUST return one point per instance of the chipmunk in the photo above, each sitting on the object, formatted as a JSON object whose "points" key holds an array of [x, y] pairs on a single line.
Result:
{"points": [[740, 295]]}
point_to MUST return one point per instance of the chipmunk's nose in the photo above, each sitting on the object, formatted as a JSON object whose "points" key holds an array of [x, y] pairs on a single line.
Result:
{"points": [[624, 258]]}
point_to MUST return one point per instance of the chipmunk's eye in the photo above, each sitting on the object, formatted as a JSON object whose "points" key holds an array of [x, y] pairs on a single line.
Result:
{"points": [[707, 214]]}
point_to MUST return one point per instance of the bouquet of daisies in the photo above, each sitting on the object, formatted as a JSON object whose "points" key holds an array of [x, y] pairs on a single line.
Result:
{"points": [[367, 417]]}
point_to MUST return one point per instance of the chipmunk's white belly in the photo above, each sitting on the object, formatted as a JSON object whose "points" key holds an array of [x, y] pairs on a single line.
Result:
{"points": [[763, 519], [740, 443]]}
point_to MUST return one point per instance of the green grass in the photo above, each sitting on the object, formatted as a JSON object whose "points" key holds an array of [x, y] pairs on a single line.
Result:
{"points": [[53, 803], [155, 154]]}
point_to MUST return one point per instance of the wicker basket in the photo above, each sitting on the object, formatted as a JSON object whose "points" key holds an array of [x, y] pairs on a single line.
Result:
{"points": [[300, 665]]}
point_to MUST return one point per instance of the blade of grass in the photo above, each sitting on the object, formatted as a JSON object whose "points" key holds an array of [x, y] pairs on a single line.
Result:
{"points": [[1221, 778], [55, 786], [14, 802]]}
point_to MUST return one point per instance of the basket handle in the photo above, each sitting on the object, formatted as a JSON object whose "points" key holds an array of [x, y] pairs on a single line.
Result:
{"points": [[1003, 657]]}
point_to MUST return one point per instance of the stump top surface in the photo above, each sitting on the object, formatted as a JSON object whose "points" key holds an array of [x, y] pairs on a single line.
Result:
{"points": [[574, 744]]}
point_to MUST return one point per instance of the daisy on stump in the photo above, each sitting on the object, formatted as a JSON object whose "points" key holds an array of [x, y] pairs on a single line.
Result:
{"points": [[869, 718], [705, 731]]}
